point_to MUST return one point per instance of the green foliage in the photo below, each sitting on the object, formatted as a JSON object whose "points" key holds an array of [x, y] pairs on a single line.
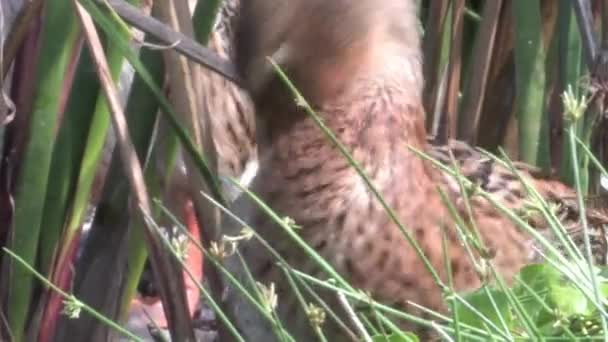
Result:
{"points": [[556, 305], [57, 42], [484, 307]]}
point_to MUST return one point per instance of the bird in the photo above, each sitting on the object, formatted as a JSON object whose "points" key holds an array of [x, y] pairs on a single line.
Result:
{"points": [[359, 67]]}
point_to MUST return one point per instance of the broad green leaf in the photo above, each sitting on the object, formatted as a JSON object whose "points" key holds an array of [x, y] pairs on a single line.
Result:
{"points": [[409, 337], [485, 307]]}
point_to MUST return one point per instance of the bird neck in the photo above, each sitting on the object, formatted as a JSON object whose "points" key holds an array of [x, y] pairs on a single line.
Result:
{"points": [[368, 92], [376, 118]]}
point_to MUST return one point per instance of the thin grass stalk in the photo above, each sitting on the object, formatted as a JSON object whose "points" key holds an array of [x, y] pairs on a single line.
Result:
{"points": [[363, 299], [526, 320], [556, 226], [331, 136], [172, 249], [199, 121], [478, 244], [140, 97], [58, 39], [380, 330], [343, 286], [450, 283], [303, 103], [293, 235], [554, 223], [263, 298], [585, 287], [324, 305], [541, 302], [588, 252], [581, 283], [182, 81], [216, 260], [593, 159], [491, 327], [355, 320], [498, 313], [525, 226], [570, 66], [518, 310], [463, 234], [289, 229], [467, 204], [282, 263], [530, 83], [76, 305]]}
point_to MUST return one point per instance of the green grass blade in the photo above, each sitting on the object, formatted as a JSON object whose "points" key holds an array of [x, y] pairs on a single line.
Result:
{"points": [[67, 154], [58, 38]]}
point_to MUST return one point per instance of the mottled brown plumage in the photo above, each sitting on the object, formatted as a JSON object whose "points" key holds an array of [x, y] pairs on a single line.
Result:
{"points": [[496, 178], [359, 65], [231, 110], [232, 117]]}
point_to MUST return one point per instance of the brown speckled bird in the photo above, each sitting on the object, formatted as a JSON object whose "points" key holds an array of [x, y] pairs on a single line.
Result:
{"points": [[358, 63]]}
